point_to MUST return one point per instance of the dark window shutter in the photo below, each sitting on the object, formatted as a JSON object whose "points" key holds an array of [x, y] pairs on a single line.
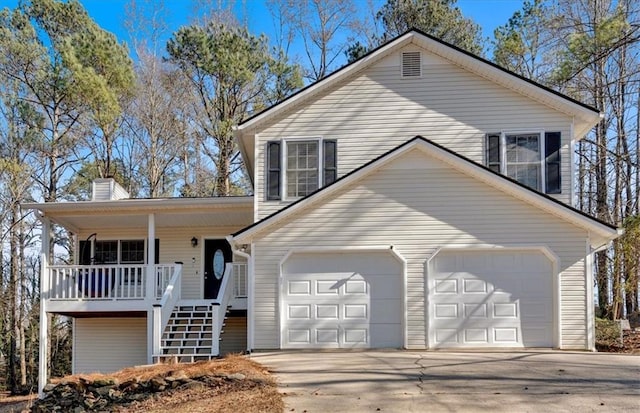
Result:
{"points": [[273, 170], [493, 151], [330, 161], [84, 255], [552, 162], [156, 252]]}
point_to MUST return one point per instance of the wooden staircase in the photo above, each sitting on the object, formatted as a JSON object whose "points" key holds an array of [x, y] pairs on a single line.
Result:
{"points": [[188, 336]]}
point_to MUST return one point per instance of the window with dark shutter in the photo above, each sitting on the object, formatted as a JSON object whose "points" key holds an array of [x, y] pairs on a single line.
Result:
{"points": [[552, 162], [84, 255], [493, 151], [273, 171], [156, 251], [330, 162]]}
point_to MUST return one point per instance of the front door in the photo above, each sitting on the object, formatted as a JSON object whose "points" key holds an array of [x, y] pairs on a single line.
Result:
{"points": [[217, 253]]}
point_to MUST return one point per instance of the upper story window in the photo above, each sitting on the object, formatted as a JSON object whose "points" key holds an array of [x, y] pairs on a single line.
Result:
{"points": [[296, 168], [302, 166], [531, 158]]}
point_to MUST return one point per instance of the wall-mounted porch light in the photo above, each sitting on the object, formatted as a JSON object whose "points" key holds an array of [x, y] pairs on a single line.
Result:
{"points": [[194, 242]]}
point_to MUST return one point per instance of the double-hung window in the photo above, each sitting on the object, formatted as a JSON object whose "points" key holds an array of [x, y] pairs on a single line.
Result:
{"points": [[531, 158], [302, 165], [296, 168], [115, 252]]}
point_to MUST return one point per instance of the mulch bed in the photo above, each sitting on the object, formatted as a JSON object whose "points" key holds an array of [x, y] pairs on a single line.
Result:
{"points": [[631, 344]]}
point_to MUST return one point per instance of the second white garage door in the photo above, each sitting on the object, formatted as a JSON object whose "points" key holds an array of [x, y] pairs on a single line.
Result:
{"points": [[342, 300], [490, 299]]}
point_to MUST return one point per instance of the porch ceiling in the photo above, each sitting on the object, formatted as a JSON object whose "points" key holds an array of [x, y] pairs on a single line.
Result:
{"points": [[133, 213]]}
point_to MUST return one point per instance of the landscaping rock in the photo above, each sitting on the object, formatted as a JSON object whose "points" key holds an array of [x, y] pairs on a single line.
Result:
{"points": [[84, 395], [236, 376]]}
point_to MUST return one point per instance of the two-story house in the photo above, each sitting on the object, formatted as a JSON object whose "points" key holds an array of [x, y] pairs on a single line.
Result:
{"points": [[418, 198]]}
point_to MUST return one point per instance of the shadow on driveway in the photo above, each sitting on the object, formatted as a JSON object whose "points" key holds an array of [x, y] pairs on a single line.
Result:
{"points": [[409, 381]]}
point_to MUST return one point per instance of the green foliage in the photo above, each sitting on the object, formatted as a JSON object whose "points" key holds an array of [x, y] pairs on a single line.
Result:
{"points": [[232, 56], [234, 74], [98, 69], [79, 186], [608, 333], [439, 18], [591, 43], [519, 43], [355, 52]]}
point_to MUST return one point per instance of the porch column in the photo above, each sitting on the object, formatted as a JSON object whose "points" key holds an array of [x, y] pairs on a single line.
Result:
{"points": [[43, 373], [151, 283], [151, 253]]}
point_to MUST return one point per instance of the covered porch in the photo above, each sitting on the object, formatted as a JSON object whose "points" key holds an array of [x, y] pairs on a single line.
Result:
{"points": [[143, 257]]}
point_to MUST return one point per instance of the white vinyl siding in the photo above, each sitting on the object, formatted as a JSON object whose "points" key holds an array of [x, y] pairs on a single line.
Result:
{"points": [[106, 345], [396, 206], [377, 110]]}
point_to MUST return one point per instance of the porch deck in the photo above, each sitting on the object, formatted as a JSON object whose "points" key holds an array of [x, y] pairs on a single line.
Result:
{"points": [[121, 288]]}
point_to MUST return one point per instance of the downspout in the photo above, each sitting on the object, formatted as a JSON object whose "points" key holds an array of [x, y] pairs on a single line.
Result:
{"points": [[249, 259]]}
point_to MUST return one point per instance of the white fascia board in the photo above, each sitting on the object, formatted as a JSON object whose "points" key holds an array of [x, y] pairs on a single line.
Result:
{"points": [[141, 205]]}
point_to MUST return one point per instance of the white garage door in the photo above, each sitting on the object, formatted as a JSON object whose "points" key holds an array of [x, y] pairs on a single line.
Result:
{"points": [[342, 300], [490, 299]]}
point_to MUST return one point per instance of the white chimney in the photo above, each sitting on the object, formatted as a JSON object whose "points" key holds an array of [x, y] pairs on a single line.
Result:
{"points": [[107, 189]]}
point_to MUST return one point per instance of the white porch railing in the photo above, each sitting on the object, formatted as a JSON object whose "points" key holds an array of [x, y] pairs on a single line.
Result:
{"points": [[107, 282], [240, 276]]}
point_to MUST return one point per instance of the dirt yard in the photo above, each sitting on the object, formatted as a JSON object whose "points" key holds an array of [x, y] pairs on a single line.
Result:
{"points": [[224, 396]]}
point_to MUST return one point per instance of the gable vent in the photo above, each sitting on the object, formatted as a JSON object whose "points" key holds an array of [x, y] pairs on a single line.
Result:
{"points": [[411, 64]]}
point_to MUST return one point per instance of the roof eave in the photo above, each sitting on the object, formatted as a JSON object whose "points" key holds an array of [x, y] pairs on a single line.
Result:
{"points": [[140, 204]]}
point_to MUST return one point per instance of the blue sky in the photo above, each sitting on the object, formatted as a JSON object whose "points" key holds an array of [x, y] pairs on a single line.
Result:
{"points": [[110, 14]]}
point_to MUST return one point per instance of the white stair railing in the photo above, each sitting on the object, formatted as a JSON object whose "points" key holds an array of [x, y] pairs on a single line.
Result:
{"points": [[220, 308], [162, 310]]}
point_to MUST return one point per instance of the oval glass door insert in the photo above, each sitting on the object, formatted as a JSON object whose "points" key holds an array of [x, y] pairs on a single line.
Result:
{"points": [[218, 264]]}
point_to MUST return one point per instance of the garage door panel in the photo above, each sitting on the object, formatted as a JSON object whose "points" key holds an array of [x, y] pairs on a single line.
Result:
{"points": [[446, 311], [505, 335], [299, 311], [342, 301], [299, 287], [327, 311], [355, 312], [476, 335], [446, 286], [490, 298], [475, 310], [474, 286]]}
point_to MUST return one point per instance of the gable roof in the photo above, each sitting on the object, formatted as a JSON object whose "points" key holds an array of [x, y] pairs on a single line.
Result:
{"points": [[585, 116], [601, 231]]}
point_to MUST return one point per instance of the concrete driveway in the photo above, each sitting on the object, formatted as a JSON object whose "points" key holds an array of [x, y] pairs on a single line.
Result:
{"points": [[406, 381]]}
